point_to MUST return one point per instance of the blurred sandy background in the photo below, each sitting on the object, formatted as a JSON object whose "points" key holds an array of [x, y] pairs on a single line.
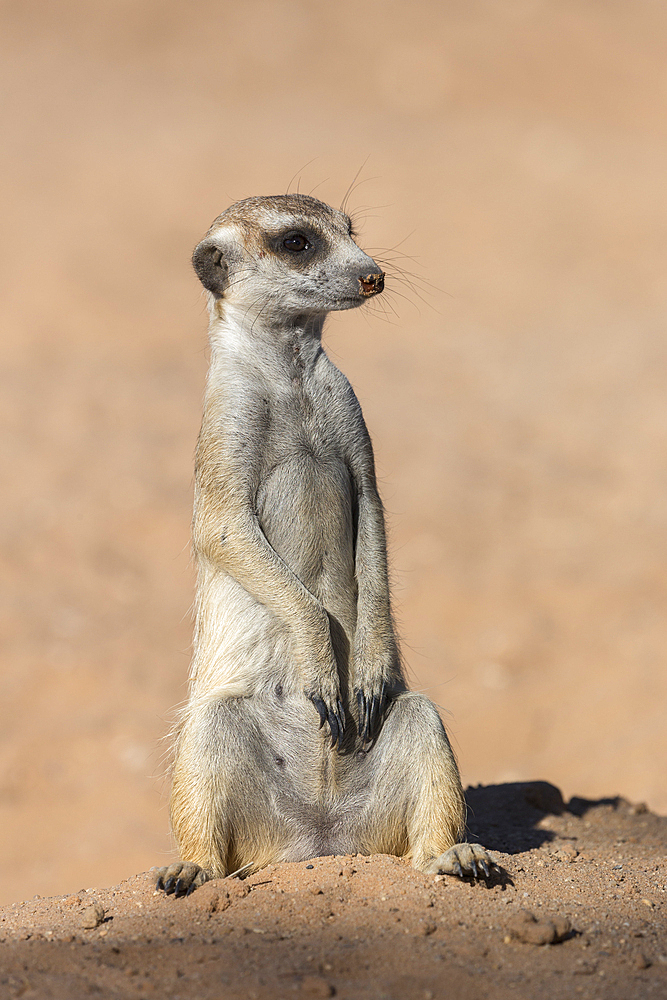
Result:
{"points": [[517, 151]]}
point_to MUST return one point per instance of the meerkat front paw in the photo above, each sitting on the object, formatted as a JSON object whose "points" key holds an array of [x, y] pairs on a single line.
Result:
{"points": [[326, 699], [371, 703], [181, 878], [462, 860], [375, 674], [331, 713]]}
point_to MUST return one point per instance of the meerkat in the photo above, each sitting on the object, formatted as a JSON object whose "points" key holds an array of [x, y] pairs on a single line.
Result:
{"points": [[300, 737]]}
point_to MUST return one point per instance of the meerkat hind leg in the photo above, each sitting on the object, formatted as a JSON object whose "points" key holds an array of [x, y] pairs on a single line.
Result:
{"points": [[415, 765]]}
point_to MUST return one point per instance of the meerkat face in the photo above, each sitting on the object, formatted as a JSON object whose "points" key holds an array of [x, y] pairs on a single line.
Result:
{"points": [[286, 255]]}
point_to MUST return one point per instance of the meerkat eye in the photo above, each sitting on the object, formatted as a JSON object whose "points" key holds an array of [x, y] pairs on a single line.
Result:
{"points": [[296, 242]]}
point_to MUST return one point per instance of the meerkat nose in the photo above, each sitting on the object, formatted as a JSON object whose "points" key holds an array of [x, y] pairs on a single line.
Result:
{"points": [[371, 284]]}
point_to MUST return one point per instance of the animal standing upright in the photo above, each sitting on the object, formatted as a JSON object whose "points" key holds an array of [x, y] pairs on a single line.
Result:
{"points": [[293, 612]]}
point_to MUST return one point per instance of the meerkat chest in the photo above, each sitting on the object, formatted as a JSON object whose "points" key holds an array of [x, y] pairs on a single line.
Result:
{"points": [[305, 471], [306, 424], [306, 497]]}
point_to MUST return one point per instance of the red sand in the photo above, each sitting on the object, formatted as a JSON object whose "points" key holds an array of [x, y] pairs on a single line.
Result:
{"points": [[356, 927]]}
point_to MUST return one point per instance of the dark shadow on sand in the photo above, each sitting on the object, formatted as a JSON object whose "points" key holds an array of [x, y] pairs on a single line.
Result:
{"points": [[505, 817]]}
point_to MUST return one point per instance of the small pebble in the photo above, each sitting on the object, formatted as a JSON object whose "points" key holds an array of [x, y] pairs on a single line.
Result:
{"points": [[566, 853], [91, 916], [525, 927]]}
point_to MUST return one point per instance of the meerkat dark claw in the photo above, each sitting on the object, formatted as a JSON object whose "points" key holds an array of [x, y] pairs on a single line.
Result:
{"points": [[321, 708], [370, 719], [365, 723], [366, 727], [364, 717], [377, 711], [341, 715], [180, 879], [371, 711], [334, 719], [340, 719], [333, 727], [464, 860]]}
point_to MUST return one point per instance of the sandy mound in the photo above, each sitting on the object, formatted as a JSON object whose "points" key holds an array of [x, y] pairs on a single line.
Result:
{"points": [[578, 909]]}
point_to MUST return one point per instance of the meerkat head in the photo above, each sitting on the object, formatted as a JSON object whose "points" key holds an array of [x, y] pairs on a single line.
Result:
{"points": [[288, 255]]}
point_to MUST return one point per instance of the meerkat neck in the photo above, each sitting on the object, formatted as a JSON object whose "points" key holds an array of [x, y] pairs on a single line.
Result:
{"points": [[238, 329]]}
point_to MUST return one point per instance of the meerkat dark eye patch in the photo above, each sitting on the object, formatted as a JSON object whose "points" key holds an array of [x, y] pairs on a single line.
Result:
{"points": [[296, 242]]}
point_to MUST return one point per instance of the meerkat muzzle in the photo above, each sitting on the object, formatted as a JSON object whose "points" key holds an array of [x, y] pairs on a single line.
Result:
{"points": [[371, 284]]}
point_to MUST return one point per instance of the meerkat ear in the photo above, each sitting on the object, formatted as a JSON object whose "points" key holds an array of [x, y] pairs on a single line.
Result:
{"points": [[209, 262]]}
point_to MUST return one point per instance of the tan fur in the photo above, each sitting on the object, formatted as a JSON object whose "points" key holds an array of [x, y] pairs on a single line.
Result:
{"points": [[293, 612]]}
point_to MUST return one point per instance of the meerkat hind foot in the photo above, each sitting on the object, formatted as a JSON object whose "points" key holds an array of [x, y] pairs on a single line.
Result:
{"points": [[462, 860], [181, 878]]}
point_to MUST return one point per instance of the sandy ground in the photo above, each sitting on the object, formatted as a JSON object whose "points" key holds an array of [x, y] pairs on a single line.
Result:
{"points": [[578, 908], [515, 151]]}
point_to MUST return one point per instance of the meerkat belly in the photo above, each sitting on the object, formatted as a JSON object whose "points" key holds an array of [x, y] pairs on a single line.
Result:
{"points": [[317, 797], [305, 508]]}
